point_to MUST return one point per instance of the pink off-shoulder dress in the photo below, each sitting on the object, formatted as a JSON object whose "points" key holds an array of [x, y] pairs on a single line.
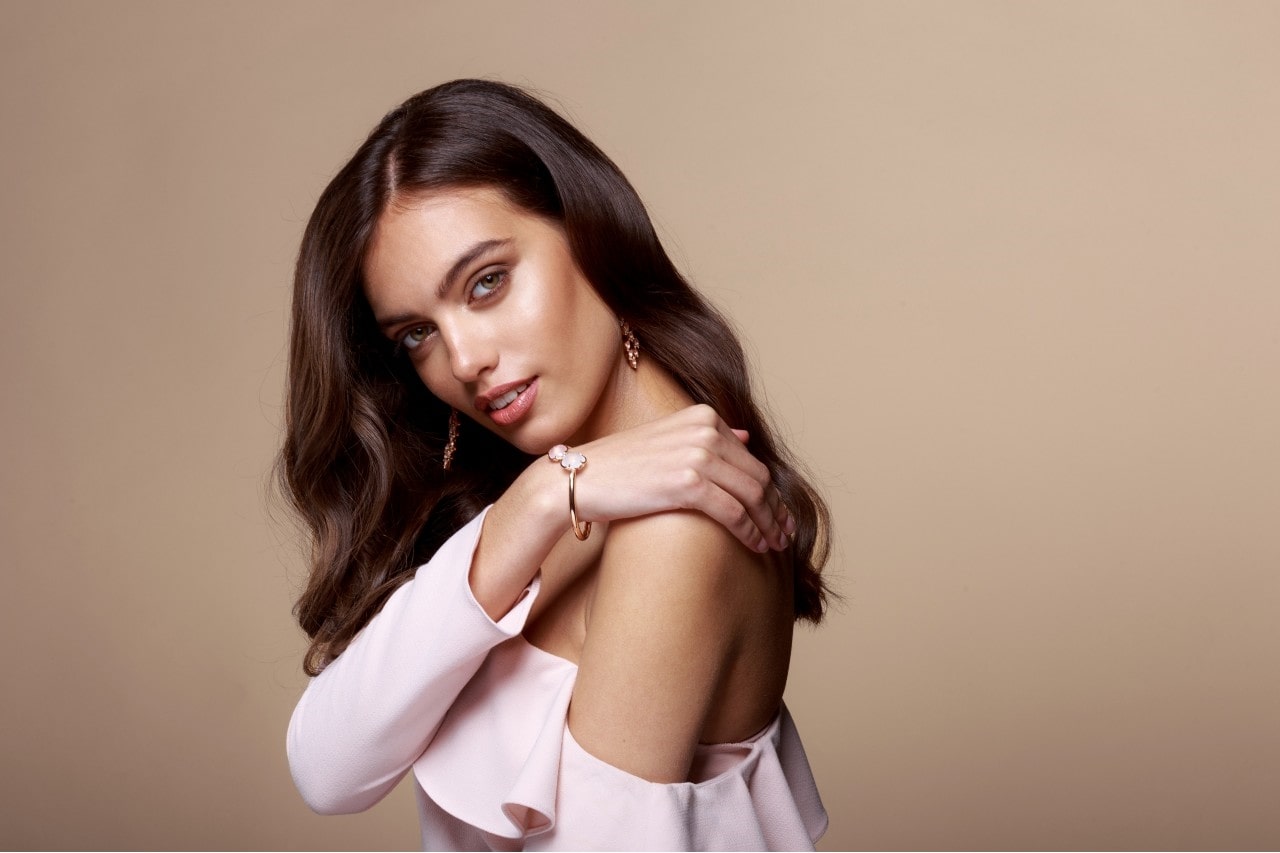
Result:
{"points": [[479, 714]]}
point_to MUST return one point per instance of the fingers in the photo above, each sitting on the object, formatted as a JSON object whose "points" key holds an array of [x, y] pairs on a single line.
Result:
{"points": [[725, 509], [759, 500], [693, 460], [785, 518], [739, 457], [710, 476], [744, 477]]}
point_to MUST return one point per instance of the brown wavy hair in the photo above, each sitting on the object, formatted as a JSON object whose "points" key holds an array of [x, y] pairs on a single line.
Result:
{"points": [[361, 461]]}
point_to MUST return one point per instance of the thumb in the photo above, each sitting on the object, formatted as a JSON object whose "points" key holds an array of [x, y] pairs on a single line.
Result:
{"points": [[742, 434]]}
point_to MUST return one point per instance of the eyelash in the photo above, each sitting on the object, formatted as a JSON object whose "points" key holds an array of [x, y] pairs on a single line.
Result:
{"points": [[500, 276]]}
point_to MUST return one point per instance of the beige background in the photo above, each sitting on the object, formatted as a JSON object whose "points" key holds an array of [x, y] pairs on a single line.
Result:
{"points": [[1009, 273]]}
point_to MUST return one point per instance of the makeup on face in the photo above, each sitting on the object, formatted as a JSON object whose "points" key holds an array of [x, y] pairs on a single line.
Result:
{"points": [[490, 308]]}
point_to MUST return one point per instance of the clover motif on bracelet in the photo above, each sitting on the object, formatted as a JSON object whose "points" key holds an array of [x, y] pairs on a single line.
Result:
{"points": [[573, 462]]}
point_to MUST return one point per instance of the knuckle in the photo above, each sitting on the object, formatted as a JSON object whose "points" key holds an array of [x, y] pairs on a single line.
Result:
{"points": [[688, 478], [704, 414], [706, 435], [699, 458]]}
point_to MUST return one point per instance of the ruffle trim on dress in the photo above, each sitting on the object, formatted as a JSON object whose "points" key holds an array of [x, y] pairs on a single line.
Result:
{"points": [[504, 762]]}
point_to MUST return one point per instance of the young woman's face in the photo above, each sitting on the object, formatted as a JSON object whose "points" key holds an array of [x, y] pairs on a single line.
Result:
{"points": [[487, 303]]}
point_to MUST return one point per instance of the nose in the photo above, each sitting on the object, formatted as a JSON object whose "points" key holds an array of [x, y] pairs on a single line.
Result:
{"points": [[471, 352]]}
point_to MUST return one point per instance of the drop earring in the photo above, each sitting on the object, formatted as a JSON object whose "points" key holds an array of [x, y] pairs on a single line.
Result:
{"points": [[631, 344], [451, 446]]}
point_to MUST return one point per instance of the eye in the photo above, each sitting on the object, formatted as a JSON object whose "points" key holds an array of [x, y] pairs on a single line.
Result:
{"points": [[486, 284], [414, 337]]}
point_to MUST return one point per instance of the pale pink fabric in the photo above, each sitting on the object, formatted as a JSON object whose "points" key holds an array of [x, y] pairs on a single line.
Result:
{"points": [[480, 715]]}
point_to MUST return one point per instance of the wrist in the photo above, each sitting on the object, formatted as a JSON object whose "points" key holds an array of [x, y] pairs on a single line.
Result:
{"points": [[543, 491]]}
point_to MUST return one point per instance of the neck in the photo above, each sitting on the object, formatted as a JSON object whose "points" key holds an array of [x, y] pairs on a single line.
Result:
{"points": [[632, 398]]}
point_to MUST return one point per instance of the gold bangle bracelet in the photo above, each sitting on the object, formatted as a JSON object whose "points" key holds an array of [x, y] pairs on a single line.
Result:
{"points": [[572, 461], [585, 531]]}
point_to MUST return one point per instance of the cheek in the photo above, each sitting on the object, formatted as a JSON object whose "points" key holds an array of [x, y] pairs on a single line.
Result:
{"points": [[434, 373], [572, 312], [593, 325], [540, 303]]}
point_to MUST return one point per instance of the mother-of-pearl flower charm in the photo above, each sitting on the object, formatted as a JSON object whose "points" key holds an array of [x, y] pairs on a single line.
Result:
{"points": [[573, 462], [570, 460]]}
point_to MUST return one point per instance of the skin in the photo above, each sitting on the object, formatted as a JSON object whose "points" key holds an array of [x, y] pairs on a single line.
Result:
{"points": [[674, 611]]}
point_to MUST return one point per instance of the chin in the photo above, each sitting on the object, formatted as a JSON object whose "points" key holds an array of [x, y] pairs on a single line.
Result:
{"points": [[533, 448], [537, 438], [527, 439]]}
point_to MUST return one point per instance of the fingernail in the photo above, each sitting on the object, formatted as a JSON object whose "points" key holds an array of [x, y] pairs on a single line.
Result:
{"points": [[762, 546]]}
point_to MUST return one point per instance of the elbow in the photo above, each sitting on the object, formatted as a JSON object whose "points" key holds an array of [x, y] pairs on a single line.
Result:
{"points": [[322, 789], [325, 781], [326, 801]]}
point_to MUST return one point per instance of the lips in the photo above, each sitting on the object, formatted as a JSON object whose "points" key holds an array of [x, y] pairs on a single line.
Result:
{"points": [[505, 400], [506, 404]]}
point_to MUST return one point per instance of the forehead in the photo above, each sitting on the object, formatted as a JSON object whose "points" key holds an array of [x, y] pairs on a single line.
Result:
{"points": [[422, 235]]}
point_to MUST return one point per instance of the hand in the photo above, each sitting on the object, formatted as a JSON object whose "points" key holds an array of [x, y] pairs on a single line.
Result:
{"points": [[687, 460]]}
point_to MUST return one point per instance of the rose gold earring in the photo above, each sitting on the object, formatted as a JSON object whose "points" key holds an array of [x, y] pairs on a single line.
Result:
{"points": [[451, 446], [631, 344]]}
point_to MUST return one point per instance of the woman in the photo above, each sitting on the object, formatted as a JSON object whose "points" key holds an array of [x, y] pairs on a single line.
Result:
{"points": [[594, 653]]}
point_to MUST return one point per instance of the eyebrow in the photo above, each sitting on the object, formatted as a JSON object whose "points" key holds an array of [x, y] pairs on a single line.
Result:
{"points": [[466, 259]]}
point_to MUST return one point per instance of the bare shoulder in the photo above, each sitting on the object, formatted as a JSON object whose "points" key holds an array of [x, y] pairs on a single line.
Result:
{"points": [[684, 551], [687, 641], [686, 575]]}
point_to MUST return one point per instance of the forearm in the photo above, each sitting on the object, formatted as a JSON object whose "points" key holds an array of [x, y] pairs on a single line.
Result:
{"points": [[364, 720], [374, 709], [519, 532]]}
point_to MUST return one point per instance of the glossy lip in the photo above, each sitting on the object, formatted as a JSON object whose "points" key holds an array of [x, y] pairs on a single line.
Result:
{"points": [[482, 401], [517, 408]]}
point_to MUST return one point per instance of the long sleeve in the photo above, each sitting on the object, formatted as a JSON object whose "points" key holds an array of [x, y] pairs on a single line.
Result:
{"points": [[363, 721]]}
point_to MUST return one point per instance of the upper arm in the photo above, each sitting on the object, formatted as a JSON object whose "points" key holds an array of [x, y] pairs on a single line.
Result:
{"points": [[662, 634]]}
